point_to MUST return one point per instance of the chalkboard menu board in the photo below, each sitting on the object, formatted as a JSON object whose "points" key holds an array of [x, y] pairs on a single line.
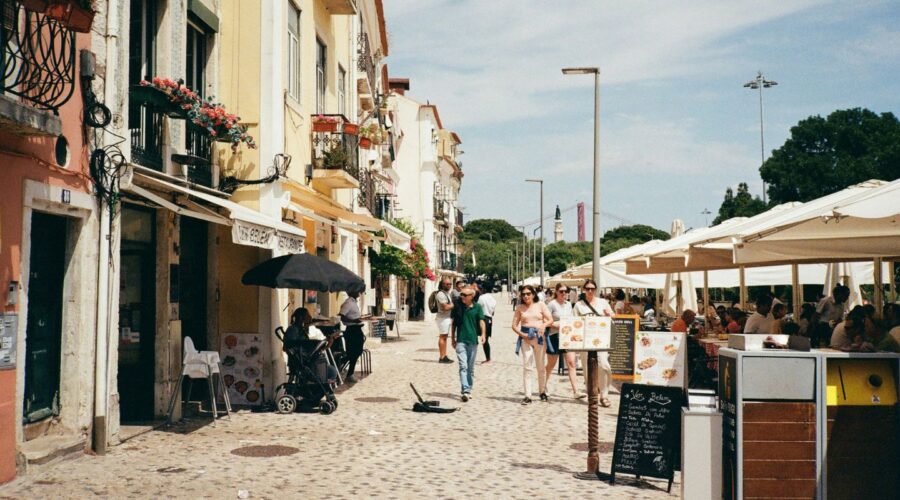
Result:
{"points": [[378, 329], [728, 402], [621, 358], [648, 431]]}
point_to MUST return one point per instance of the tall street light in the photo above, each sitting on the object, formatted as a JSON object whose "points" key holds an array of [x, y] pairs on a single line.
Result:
{"points": [[593, 368], [534, 251], [760, 83], [541, 182], [524, 248]]}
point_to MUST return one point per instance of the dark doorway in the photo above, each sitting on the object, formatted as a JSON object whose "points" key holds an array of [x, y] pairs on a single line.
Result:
{"points": [[192, 281], [44, 327], [137, 313]]}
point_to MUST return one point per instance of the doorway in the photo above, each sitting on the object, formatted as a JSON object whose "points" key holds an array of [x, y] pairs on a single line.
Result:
{"points": [[137, 314], [192, 281], [44, 322]]}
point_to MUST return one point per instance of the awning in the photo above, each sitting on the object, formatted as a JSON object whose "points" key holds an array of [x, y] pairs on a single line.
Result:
{"points": [[248, 226], [323, 205], [395, 237]]}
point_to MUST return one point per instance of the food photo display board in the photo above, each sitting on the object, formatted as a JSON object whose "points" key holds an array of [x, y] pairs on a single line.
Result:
{"points": [[242, 365], [659, 359], [585, 333]]}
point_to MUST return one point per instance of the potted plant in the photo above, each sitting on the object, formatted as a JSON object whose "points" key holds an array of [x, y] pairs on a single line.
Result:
{"points": [[322, 123], [372, 133], [77, 15], [351, 129], [365, 143], [336, 158]]}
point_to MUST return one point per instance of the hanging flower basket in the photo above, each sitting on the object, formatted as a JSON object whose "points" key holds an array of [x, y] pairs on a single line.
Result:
{"points": [[351, 129], [206, 115], [156, 99], [365, 143], [75, 15]]}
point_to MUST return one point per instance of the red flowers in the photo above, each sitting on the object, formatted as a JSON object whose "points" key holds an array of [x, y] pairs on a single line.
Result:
{"points": [[205, 114]]}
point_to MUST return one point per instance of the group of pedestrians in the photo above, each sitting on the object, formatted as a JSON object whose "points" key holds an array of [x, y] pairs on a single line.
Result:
{"points": [[464, 317], [537, 325]]}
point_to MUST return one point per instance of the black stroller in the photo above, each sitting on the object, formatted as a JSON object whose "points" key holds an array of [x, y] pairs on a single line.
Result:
{"points": [[307, 383]]}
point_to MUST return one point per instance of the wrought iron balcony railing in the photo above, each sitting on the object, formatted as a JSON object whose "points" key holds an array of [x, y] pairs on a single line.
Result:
{"points": [[37, 57], [199, 144], [145, 126]]}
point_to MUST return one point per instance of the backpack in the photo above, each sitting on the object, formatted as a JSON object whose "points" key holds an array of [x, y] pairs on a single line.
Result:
{"points": [[432, 302]]}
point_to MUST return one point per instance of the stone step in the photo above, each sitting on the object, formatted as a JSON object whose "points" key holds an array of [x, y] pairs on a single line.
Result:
{"points": [[46, 449]]}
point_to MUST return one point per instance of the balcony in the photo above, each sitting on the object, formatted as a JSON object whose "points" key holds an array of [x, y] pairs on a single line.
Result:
{"points": [[335, 153], [440, 213], [199, 146], [449, 261], [145, 127], [459, 219], [37, 64], [340, 7]]}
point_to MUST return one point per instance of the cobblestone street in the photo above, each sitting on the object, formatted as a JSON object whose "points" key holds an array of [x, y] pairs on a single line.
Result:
{"points": [[373, 445]]}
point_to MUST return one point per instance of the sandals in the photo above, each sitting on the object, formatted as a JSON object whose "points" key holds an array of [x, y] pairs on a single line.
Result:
{"points": [[605, 402]]}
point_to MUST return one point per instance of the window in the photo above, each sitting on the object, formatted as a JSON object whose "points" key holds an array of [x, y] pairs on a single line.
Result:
{"points": [[342, 90], [195, 77], [142, 40], [294, 52], [321, 55]]}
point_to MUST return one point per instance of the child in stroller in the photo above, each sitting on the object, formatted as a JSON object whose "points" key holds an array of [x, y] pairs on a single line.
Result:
{"points": [[309, 374]]}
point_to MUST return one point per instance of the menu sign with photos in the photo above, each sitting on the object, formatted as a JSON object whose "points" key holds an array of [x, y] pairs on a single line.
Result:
{"points": [[659, 359], [586, 333], [242, 365]]}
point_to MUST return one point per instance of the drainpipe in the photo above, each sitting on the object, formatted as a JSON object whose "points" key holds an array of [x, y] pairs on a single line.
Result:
{"points": [[101, 367]]}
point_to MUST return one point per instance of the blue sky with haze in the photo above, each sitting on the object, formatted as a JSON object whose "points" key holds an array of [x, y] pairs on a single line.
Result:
{"points": [[677, 126]]}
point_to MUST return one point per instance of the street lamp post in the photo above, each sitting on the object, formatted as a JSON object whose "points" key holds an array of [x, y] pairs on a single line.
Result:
{"points": [[593, 381], [524, 248], [761, 83], [541, 182], [534, 253]]}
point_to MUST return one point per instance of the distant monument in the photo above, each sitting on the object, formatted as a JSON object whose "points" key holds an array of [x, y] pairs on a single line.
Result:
{"points": [[557, 226]]}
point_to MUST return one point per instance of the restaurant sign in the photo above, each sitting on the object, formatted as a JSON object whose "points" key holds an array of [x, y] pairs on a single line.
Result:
{"points": [[247, 233]]}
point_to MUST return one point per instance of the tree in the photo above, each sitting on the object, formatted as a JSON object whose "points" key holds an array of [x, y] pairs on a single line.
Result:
{"points": [[825, 155], [742, 204], [562, 255], [498, 229], [636, 232]]}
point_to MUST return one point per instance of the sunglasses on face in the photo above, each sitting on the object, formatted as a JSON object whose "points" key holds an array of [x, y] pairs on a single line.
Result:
{"points": [[466, 294], [525, 293], [589, 288]]}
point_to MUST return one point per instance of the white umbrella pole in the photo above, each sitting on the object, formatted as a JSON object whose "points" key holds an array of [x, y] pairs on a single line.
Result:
{"points": [[743, 294], [879, 287], [679, 298]]}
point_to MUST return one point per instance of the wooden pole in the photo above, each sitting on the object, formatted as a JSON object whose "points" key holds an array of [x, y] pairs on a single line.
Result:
{"points": [[743, 293], [878, 298], [893, 286], [796, 293], [706, 301]]}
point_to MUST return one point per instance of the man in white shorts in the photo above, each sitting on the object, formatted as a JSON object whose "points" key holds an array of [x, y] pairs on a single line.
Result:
{"points": [[443, 318]]}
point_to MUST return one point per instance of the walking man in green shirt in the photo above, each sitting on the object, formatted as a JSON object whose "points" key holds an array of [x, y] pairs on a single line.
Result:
{"points": [[467, 331]]}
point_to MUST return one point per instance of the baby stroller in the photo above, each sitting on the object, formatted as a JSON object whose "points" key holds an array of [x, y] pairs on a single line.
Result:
{"points": [[307, 383]]}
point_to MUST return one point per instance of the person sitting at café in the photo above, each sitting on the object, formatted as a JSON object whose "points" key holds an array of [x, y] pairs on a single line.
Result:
{"points": [[649, 314], [779, 311], [892, 320], [683, 324], [846, 331], [732, 320], [829, 312], [761, 321]]}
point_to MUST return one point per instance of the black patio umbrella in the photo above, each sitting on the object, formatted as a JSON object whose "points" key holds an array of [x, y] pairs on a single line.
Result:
{"points": [[304, 271]]}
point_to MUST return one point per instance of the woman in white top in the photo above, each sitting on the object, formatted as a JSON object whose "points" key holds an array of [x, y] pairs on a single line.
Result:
{"points": [[591, 305], [561, 308], [529, 322]]}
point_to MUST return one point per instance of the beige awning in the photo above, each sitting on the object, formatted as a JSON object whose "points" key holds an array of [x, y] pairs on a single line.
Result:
{"points": [[325, 206], [248, 226]]}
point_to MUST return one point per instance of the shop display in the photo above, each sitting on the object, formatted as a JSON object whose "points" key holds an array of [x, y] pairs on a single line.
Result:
{"points": [[242, 367]]}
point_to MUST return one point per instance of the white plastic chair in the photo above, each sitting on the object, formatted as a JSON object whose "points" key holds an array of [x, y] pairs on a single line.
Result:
{"points": [[196, 365]]}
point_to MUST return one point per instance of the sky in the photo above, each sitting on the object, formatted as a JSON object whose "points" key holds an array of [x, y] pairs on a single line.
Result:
{"points": [[677, 127]]}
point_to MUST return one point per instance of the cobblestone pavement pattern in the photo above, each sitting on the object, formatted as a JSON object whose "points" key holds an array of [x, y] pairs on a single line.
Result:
{"points": [[373, 445]]}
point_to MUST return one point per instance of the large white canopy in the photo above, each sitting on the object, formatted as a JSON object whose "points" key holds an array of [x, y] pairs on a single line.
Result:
{"points": [[859, 227]]}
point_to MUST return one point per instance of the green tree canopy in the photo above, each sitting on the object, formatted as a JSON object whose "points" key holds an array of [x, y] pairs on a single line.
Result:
{"points": [[742, 204], [825, 155], [636, 232], [498, 229]]}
